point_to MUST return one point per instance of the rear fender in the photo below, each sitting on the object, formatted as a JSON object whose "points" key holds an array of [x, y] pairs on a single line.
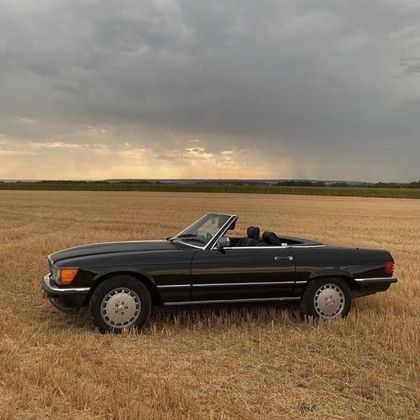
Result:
{"points": [[345, 275]]}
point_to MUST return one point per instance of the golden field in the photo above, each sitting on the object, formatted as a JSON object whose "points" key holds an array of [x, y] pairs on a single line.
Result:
{"points": [[234, 362]]}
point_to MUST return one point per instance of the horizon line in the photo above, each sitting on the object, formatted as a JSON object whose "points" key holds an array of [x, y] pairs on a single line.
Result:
{"points": [[197, 179]]}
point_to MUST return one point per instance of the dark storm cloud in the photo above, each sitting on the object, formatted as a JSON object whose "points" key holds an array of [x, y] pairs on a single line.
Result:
{"points": [[332, 86]]}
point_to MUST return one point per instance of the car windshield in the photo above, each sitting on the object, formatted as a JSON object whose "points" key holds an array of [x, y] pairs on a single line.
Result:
{"points": [[202, 231]]}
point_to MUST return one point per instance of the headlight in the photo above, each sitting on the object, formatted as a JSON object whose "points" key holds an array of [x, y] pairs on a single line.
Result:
{"points": [[64, 276]]}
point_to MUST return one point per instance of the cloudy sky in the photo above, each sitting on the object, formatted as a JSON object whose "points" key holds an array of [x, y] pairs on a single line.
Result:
{"points": [[322, 89]]}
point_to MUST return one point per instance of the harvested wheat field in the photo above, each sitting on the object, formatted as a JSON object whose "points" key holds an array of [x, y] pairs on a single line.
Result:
{"points": [[235, 362]]}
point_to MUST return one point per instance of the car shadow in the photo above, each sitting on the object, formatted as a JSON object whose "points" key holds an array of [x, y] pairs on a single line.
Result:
{"points": [[224, 314], [185, 317]]}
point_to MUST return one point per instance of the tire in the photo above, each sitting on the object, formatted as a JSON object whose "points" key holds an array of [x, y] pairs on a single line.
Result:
{"points": [[326, 298], [120, 302]]}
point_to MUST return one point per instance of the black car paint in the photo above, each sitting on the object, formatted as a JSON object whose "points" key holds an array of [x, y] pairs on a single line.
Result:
{"points": [[237, 273], [177, 273]]}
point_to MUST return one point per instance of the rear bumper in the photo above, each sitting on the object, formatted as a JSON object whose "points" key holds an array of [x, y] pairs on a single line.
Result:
{"points": [[377, 280], [367, 286], [67, 300]]}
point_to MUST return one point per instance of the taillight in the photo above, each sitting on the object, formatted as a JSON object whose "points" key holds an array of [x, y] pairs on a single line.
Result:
{"points": [[389, 267]]}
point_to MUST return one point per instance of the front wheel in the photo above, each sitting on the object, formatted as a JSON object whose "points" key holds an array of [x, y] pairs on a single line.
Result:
{"points": [[327, 298], [120, 302]]}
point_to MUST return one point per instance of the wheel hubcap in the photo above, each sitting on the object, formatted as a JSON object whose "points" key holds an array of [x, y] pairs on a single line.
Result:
{"points": [[329, 301], [120, 307]]}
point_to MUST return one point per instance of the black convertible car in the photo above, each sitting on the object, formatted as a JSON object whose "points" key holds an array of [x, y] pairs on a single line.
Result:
{"points": [[204, 264]]}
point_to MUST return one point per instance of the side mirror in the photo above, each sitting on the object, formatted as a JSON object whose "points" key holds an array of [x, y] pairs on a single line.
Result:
{"points": [[223, 242]]}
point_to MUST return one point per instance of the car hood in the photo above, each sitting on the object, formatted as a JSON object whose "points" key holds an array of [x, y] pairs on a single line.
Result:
{"points": [[110, 248]]}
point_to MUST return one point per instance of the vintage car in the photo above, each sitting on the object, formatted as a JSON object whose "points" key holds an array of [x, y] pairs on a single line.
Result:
{"points": [[205, 264]]}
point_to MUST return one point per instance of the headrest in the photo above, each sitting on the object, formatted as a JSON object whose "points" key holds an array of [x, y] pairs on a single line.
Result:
{"points": [[253, 232], [271, 238]]}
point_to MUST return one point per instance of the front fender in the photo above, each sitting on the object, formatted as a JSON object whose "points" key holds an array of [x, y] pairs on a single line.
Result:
{"points": [[139, 274], [110, 271]]}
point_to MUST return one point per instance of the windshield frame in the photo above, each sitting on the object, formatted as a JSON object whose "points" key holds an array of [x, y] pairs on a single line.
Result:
{"points": [[231, 219]]}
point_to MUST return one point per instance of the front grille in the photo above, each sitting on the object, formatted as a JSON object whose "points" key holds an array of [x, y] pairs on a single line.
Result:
{"points": [[50, 266], [53, 271], [53, 283]]}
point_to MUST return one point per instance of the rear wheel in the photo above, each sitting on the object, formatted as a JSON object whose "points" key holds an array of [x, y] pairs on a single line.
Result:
{"points": [[326, 298], [120, 302]]}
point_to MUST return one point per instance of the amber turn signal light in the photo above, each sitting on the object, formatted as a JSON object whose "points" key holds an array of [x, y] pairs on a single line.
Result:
{"points": [[67, 275]]}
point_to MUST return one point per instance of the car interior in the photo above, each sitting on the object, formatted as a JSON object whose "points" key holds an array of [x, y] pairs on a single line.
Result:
{"points": [[254, 238]]}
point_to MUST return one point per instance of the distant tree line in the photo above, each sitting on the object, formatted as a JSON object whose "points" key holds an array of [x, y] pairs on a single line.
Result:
{"points": [[221, 182], [304, 183]]}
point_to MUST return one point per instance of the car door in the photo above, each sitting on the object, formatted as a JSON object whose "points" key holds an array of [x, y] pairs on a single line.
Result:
{"points": [[255, 273]]}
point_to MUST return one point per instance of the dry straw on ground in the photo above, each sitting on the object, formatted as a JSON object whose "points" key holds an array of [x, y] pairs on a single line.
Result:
{"points": [[252, 362]]}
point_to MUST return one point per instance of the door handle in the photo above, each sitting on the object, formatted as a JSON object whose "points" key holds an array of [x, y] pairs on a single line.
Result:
{"points": [[289, 258]]}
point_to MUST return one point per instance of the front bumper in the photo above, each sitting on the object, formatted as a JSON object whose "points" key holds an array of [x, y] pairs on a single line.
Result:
{"points": [[68, 300], [51, 289]]}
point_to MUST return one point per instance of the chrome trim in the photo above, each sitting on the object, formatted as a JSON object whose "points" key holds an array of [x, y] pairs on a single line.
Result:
{"points": [[220, 232], [250, 283], [377, 279], [205, 302], [308, 246], [275, 247], [49, 288], [258, 247], [283, 258], [185, 243]]}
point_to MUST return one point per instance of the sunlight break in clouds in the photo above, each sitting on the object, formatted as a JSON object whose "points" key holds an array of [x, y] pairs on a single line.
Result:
{"points": [[79, 161]]}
